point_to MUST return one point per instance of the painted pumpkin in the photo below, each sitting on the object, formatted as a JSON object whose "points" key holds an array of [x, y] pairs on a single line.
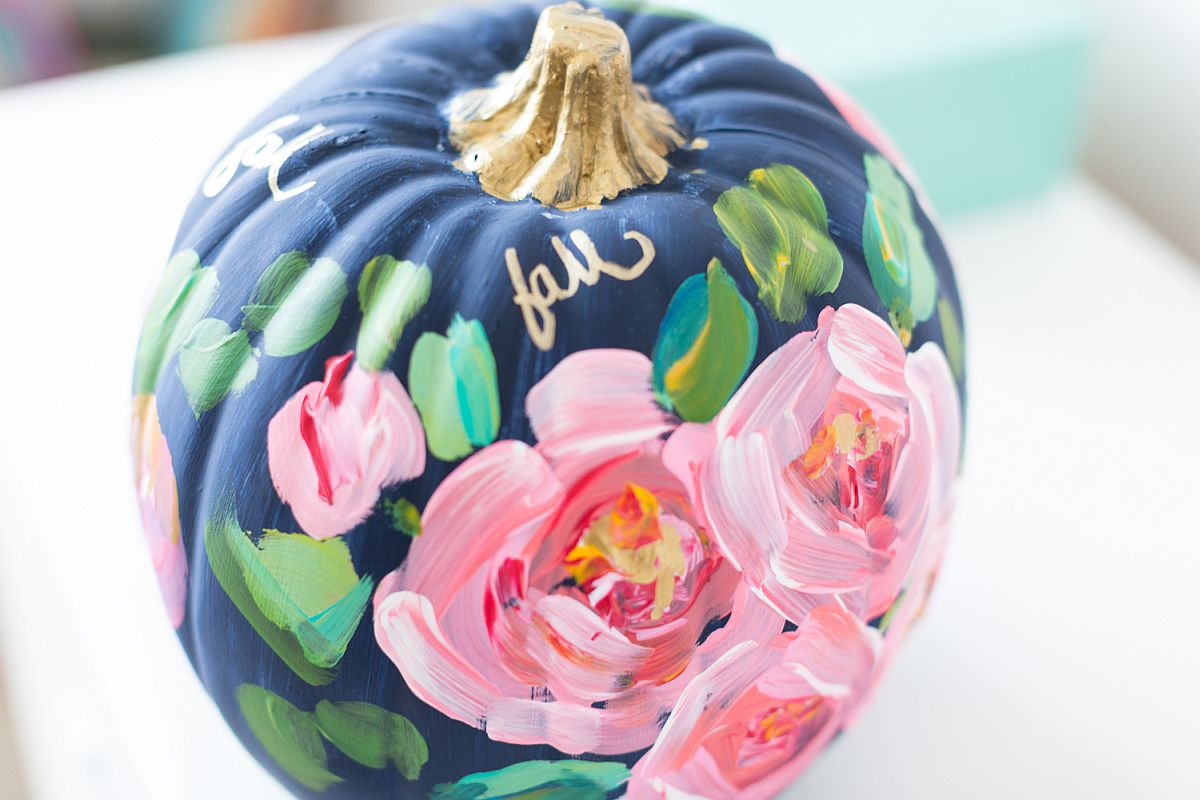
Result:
{"points": [[549, 400]]}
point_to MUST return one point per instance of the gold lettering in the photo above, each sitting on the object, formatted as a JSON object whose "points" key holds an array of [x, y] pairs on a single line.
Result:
{"points": [[537, 295], [264, 149]]}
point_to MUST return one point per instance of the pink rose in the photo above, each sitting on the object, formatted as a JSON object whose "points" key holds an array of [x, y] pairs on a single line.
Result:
{"points": [[336, 443], [821, 473], [563, 595], [159, 503], [754, 721]]}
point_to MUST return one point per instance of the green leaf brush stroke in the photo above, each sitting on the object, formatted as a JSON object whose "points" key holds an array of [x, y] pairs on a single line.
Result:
{"points": [[952, 336], [301, 595], [295, 303], [373, 736], [403, 516], [289, 735], [561, 780], [779, 222], [900, 267], [215, 361], [453, 383], [390, 293], [706, 343], [185, 294]]}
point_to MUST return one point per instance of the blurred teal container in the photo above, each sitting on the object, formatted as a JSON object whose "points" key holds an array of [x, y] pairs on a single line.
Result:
{"points": [[984, 97]]}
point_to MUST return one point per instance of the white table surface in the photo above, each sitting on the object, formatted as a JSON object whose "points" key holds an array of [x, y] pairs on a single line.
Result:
{"points": [[1058, 658]]}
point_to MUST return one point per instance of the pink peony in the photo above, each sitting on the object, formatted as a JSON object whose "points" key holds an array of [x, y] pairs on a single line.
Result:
{"points": [[337, 442], [562, 595], [821, 473], [158, 500], [753, 721]]}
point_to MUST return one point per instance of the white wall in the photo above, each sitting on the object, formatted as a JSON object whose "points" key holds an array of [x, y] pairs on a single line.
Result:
{"points": [[1143, 137]]}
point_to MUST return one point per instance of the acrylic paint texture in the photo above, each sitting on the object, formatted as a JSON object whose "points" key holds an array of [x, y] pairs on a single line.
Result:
{"points": [[455, 495]]}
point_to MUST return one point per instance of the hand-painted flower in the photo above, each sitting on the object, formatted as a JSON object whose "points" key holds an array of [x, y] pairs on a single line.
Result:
{"points": [[566, 595], [336, 443], [820, 474], [754, 720], [159, 502]]}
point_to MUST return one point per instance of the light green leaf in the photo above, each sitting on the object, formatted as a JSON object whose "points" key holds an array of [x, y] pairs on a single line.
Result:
{"points": [[295, 303], [706, 343], [779, 222], [373, 736], [215, 361], [185, 294], [894, 246], [390, 294], [289, 735], [302, 595], [453, 384], [952, 337], [576, 780]]}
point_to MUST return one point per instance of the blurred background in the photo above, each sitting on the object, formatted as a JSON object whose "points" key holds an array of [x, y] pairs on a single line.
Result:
{"points": [[1039, 86], [1057, 137]]}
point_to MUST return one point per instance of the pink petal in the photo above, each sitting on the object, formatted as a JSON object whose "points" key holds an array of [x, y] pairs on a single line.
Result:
{"points": [[582, 657], [704, 701], [594, 405], [832, 654], [408, 632], [935, 396], [830, 562], [867, 351], [925, 472], [689, 447], [569, 728], [500, 490], [786, 394]]}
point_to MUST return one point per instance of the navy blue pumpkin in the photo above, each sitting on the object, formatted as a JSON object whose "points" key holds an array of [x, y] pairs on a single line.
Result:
{"points": [[391, 228]]}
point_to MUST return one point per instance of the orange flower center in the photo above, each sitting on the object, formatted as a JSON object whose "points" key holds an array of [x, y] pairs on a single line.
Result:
{"points": [[632, 541]]}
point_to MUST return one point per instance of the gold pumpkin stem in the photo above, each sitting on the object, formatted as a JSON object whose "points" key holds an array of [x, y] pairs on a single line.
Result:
{"points": [[568, 126]]}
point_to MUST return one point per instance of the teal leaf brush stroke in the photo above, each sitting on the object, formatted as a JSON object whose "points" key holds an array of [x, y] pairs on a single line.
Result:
{"points": [[561, 780], [301, 595], [453, 383]]}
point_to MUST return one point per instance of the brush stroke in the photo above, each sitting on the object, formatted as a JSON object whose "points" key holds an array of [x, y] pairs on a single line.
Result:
{"points": [[403, 516], [185, 294], [706, 343], [779, 222], [295, 303], [289, 735], [303, 596], [952, 337], [894, 246], [158, 500], [390, 293], [373, 736], [454, 387], [560, 780], [214, 361]]}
